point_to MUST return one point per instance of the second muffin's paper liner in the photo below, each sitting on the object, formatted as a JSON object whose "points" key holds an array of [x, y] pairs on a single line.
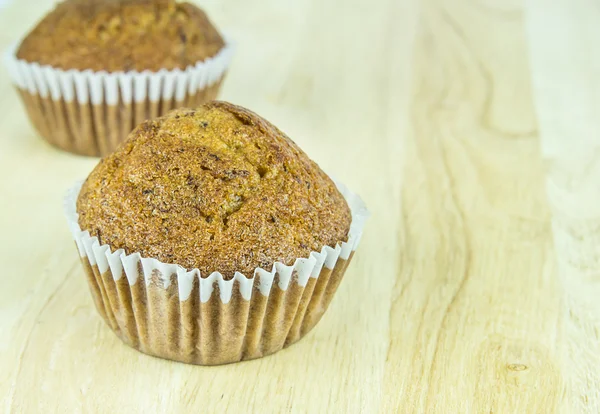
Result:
{"points": [[165, 310], [90, 113]]}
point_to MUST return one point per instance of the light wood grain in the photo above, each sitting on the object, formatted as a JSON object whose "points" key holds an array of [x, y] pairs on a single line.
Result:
{"points": [[565, 63], [469, 127]]}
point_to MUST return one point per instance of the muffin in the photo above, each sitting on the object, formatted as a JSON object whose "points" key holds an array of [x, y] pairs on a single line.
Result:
{"points": [[92, 69], [209, 237]]}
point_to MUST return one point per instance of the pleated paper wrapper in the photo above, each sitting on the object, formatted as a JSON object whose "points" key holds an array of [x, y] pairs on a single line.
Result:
{"points": [[164, 310], [91, 113]]}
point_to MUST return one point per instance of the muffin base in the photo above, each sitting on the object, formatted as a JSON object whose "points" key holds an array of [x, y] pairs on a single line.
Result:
{"points": [[153, 320], [165, 310], [98, 129]]}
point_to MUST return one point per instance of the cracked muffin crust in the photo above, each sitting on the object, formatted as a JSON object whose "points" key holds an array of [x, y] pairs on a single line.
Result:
{"points": [[216, 188], [122, 35]]}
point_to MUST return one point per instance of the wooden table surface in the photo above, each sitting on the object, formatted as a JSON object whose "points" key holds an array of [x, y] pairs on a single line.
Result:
{"points": [[470, 127]]}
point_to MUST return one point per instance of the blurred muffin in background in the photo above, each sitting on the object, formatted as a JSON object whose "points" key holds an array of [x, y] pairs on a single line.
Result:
{"points": [[93, 69]]}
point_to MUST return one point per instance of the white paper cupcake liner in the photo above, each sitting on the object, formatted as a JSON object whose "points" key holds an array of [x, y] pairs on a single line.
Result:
{"points": [[165, 310], [72, 109]]}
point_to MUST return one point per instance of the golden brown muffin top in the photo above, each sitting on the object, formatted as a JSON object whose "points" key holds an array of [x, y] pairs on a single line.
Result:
{"points": [[216, 188], [122, 35]]}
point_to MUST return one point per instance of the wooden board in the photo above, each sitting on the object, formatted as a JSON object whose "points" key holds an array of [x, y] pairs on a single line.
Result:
{"points": [[470, 127]]}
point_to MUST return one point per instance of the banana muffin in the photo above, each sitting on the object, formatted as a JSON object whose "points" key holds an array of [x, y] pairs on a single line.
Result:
{"points": [[209, 237], [92, 69]]}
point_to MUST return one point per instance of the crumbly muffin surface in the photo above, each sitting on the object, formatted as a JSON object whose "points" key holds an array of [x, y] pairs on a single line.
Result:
{"points": [[216, 188], [122, 35]]}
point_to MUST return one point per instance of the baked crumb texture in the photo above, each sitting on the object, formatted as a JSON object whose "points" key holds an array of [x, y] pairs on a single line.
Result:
{"points": [[122, 35], [216, 188]]}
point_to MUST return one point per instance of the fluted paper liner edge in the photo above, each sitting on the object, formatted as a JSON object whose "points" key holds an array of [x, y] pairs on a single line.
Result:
{"points": [[91, 113], [164, 310]]}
